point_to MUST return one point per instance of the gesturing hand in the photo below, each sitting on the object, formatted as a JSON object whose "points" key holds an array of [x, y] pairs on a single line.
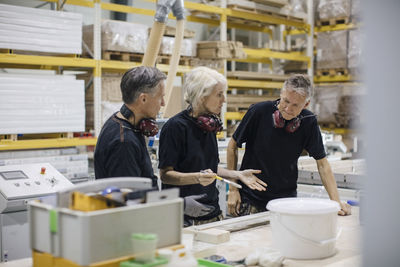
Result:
{"points": [[248, 178]]}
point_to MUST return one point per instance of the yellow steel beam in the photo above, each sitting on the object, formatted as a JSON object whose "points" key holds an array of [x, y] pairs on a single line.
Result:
{"points": [[46, 143], [199, 7], [266, 53], [337, 27], [127, 9], [293, 32], [46, 60], [338, 130], [85, 3], [234, 115], [266, 18], [253, 60], [203, 8], [118, 65], [230, 25], [123, 66], [249, 28], [254, 84], [338, 78], [211, 22]]}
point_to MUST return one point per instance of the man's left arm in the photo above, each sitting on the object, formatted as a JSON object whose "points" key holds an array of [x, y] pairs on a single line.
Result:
{"points": [[325, 171]]}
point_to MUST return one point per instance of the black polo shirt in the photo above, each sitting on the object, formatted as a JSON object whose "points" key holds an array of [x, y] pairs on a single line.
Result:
{"points": [[121, 152], [275, 152], [187, 148]]}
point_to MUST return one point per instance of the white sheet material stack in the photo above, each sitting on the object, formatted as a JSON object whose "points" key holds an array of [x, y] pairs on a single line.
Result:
{"points": [[41, 104], [32, 29]]}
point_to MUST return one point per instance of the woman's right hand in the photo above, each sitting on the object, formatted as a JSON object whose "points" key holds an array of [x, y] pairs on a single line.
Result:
{"points": [[206, 177]]}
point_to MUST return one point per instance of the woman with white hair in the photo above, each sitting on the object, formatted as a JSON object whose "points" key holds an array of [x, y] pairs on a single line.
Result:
{"points": [[188, 151]]}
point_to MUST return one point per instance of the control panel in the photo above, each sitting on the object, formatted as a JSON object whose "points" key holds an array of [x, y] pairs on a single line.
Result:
{"points": [[30, 181]]}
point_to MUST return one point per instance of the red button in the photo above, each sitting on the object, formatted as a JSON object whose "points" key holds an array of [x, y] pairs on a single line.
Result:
{"points": [[43, 170]]}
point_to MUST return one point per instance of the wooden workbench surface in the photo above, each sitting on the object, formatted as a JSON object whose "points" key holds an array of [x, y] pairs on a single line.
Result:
{"points": [[348, 246], [242, 243]]}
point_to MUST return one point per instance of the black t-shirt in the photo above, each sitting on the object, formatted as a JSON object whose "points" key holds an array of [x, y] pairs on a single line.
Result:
{"points": [[121, 152], [274, 151], [187, 148]]}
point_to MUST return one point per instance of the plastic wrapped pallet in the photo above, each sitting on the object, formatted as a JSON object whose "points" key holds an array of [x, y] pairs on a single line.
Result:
{"points": [[119, 36], [298, 6], [339, 104], [329, 9], [41, 104], [355, 49], [33, 29], [332, 50], [188, 47]]}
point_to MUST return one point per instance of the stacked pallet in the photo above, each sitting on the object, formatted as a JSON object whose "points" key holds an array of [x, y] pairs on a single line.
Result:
{"points": [[220, 50], [280, 9], [119, 40], [332, 12], [339, 105], [332, 50], [33, 29], [188, 46], [338, 52]]}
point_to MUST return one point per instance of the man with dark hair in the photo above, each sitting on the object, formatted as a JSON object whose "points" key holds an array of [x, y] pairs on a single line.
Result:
{"points": [[275, 133], [121, 149]]}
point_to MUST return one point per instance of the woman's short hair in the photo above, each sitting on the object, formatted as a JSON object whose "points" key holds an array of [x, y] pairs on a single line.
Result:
{"points": [[299, 83], [140, 80], [200, 82]]}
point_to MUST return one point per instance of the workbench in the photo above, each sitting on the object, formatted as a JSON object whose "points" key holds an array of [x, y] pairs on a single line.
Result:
{"points": [[243, 242]]}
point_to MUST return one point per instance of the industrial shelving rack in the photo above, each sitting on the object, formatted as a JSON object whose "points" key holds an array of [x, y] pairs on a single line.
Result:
{"points": [[97, 65]]}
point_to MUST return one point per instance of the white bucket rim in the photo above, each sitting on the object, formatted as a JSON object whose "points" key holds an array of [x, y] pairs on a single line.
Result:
{"points": [[301, 206]]}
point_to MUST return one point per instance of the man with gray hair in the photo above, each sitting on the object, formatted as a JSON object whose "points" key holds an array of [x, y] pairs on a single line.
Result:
{"points": [[276, 133], [121, 148]]}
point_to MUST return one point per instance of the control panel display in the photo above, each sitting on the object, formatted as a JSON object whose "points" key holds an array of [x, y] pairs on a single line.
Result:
{"points": [[11, 175]]}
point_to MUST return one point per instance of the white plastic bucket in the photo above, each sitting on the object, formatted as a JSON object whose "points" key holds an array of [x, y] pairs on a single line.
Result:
{"points": [[304, 228]]}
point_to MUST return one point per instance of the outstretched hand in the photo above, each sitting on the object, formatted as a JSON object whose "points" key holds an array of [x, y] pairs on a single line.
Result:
{"points": [[248, 178]]}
